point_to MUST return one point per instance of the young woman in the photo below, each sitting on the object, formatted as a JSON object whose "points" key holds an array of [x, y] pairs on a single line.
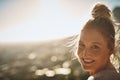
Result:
{"points": [[96, 45]]}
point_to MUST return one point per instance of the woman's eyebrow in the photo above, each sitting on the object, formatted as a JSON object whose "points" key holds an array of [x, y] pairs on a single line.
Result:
{"points": [[80, 41], [97, 43]]}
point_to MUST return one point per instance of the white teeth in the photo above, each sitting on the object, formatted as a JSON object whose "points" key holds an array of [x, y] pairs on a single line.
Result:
{"points": [[89, 61]]}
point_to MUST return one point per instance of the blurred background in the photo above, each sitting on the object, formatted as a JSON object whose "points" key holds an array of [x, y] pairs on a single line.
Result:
{"points": [[34, 36]]}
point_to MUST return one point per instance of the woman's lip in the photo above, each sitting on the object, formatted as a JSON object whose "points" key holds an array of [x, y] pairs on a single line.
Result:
{"points": [[88, 61]]}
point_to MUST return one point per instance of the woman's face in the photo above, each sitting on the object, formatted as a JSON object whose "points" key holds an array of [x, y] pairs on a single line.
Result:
{"points": [[93, 51]]}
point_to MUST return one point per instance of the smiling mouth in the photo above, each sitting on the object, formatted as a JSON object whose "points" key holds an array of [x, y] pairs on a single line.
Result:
{"points": [[88, 61]]}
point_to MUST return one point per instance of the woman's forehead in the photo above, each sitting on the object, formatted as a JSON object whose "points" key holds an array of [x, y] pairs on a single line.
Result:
{"points": [[92, 35]]}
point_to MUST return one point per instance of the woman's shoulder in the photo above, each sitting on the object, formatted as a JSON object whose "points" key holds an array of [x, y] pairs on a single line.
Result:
{"points": [[108, 74]]}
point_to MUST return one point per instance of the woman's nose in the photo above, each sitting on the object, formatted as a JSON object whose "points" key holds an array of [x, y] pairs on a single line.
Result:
{"points": [[85, 53]]}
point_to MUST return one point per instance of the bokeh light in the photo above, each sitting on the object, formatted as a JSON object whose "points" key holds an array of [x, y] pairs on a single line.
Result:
{"points": [[63, 71]]}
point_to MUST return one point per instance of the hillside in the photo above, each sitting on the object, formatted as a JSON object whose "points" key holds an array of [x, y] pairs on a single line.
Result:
{"points": [[24, 61]]}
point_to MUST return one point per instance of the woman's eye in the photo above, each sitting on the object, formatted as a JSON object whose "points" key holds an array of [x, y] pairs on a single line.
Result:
{"points": [[81, 45], [95, 47]]}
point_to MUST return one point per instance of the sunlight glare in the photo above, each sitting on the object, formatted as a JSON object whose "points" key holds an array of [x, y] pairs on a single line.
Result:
{"points": [[53, 58], [66, 64], [32, 56], [64, 71], [50, 73], [39, 72]]}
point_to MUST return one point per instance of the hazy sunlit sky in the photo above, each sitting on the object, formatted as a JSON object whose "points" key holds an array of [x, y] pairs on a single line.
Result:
{"points": [[34, 20]]}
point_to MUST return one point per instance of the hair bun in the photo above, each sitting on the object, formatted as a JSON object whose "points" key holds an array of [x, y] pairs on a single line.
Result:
{"points": [[100, 10]]}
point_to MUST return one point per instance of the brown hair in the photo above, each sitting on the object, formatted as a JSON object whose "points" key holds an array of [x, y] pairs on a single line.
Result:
{"points": [[102, 22]]}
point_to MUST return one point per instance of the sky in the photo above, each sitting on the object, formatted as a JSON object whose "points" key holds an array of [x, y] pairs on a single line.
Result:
{"points": [[39, 20]]}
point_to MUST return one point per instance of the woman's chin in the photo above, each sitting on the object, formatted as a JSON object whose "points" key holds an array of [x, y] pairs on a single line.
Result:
{"points": [[88, 69]]}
